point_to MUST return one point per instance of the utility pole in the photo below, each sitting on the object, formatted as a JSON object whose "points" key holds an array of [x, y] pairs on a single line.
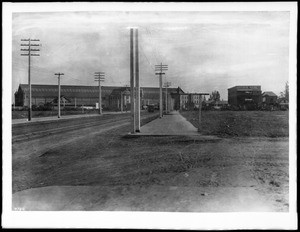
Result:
{"points": [[100, 76], [125, 94], [167, 84], [58, 99], [123, 98], [134, 81], [122, 101], [200, 113], [29, 53], [132, 89], [160, 68], [200, 108], [137, 83]]}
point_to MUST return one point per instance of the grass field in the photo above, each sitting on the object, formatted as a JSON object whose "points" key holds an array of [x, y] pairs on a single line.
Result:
{"points": [[241, 123]]}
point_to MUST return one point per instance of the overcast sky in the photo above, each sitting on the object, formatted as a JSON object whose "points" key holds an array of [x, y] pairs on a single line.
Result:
{"points": [[205, 51]]}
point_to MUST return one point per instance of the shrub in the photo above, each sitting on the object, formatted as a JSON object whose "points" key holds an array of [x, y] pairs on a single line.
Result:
{"points": [[34, 108]]}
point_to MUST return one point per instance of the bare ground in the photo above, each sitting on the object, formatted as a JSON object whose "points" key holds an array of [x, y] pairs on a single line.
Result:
{"points": [[175, 173]]}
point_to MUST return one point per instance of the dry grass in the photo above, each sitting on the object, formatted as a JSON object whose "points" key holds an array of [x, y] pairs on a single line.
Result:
{"points": [[242, 123]]}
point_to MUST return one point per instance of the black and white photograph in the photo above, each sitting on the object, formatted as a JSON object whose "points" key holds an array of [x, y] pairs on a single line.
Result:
{"points": [[149, 115]]}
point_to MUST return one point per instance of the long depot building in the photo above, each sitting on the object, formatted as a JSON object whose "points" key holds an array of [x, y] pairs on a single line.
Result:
{"points": [[245, 97], [76, 96]]}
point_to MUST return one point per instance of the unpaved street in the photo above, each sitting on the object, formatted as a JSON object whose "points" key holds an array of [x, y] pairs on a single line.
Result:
{"points": [[174, 173]]}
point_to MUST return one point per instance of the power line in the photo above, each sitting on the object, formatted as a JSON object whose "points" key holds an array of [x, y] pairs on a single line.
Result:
{"points": [[155, 47], [99, 76], [166, 85], [151, 66], [58, 99], [29, 51], [160, 68]]}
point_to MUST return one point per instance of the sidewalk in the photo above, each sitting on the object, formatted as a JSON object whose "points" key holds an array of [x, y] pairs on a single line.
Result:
{"points": [[53, 118], [170, 124]]}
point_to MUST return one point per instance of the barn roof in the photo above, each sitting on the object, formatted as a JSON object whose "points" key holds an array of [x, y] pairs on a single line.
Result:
{"points": [[155, 89], [118, 90], [66, 90], [246, 87], [269, 93], [80, 91]]}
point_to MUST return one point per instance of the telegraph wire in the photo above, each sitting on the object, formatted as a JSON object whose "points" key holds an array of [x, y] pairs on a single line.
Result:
{"points": [[148, 37], [151, 66], [155, 47]]}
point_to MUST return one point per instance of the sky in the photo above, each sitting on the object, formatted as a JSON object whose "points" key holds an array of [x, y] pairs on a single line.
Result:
{"points": [[204, 51]]}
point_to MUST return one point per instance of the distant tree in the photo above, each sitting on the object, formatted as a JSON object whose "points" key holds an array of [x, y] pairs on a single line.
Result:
{"points": [[285, 93], [215, 96]]}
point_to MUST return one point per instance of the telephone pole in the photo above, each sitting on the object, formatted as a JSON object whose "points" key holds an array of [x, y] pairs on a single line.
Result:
{"points": [[29, 53], [137, 83], [160, 68], [58, 99], [200, 108], [132, 88], [166, 85], [134, 81], [100, 76]]}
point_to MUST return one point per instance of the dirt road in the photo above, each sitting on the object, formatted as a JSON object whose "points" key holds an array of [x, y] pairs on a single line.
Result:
{"points": [[177, 173]]}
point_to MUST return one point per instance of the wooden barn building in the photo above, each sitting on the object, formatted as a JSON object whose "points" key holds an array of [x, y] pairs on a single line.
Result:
{"points": [[245, 97], [269, 98], [76, 96]]}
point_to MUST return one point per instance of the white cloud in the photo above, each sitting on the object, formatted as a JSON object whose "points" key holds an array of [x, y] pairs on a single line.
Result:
{"points": [[204, 50]]}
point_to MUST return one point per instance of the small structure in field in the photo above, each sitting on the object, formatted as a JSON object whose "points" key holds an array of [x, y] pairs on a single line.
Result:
{"points": [[269, 98], [245, 97]]}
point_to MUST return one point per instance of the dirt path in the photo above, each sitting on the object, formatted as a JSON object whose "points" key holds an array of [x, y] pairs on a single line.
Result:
{"points": [[153, 173], [46, 136]]}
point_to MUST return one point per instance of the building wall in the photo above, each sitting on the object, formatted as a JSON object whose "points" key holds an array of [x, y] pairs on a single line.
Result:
{"points": [[115, 101], [269, 99], [74, 101], [19, 98], [26, 100], [189, 101], [245, 96], [232, 97], [177, 101], [42, 94], [183, 101]]}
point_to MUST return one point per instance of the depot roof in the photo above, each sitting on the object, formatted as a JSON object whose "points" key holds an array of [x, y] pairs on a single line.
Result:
{"points": [[81, 91]]}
